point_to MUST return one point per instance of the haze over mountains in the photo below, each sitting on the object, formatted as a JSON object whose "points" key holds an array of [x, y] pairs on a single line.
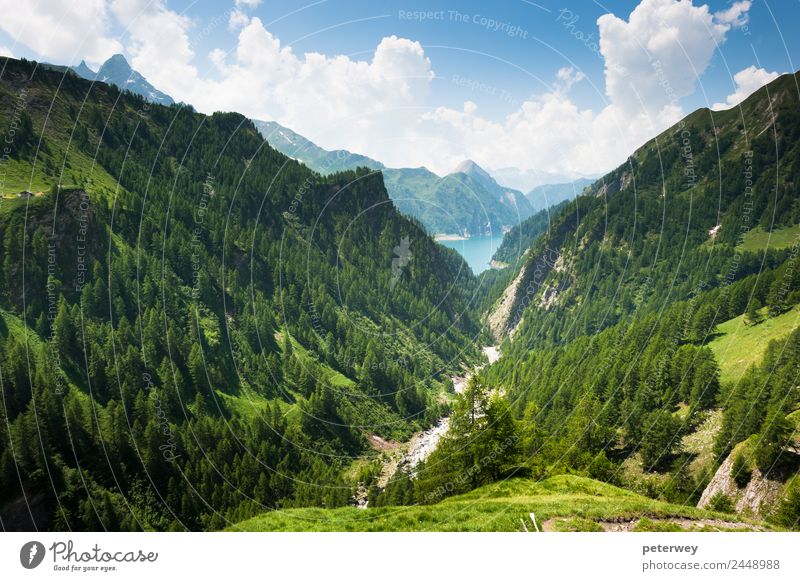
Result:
{"points": [[547, 195]]}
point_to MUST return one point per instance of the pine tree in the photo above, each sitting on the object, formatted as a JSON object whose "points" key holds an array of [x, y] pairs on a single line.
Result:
{"points": [[753, 315]]}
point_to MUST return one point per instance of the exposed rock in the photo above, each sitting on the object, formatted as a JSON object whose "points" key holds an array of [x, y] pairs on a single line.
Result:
{"points": [[499, 316], [759, 493], [616, 184]]}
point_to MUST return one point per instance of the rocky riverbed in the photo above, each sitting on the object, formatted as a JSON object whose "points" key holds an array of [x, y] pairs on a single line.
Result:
{"points": [[422, 444]]}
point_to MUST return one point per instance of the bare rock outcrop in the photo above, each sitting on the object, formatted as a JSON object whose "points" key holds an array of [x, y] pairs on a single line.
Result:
{"points": [[753, 499], [499, 317]]}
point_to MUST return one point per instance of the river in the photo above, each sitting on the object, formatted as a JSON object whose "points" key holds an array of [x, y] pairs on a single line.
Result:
{"points": [[423, 443]]}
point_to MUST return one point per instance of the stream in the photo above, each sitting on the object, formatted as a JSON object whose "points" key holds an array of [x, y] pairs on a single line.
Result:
{"points": [[423, 443]]}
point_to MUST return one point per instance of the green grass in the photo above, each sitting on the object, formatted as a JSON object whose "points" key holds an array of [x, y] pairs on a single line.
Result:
{"points": [[738, 345], [759, 239], [22, 176], [502, 506]]}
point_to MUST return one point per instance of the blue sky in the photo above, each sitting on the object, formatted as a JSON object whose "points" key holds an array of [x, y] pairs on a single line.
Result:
{"points": [[525, 88], [456, 47]]}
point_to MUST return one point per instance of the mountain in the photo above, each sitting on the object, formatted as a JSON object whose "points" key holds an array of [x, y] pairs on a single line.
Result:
{"points": [[547, 195], [84, 71], [650, 333], [303, 150], [467, 201], [206, 328], [474, 171], [117, 71], [672, 217]]}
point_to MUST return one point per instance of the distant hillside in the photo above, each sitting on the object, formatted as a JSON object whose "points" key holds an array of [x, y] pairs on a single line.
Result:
{"points": [[548, 195], [467, 201], [305, 151]]}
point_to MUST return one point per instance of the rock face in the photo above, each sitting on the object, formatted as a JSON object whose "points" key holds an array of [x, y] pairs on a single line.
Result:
{"points": [[753, 499], [499, 317]]}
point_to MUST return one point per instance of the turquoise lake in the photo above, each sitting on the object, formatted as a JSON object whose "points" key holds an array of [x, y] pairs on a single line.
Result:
{"points": [[477, 251]]}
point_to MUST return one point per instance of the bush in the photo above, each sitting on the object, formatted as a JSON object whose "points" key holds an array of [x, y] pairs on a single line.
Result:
{"points": [[721, 503], [740, 471], [787, 512]]}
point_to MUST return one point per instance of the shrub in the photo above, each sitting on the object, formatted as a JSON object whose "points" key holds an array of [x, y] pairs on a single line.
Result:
{"points": [[721, 503], [740, 471]]}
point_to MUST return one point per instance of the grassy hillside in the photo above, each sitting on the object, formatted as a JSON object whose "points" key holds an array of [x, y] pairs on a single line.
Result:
{"points": [[738, 345], [559, 503], [759, 239]]}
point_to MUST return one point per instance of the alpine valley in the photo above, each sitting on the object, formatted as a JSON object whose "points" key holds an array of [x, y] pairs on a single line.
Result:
{"points": [[208, 322]]}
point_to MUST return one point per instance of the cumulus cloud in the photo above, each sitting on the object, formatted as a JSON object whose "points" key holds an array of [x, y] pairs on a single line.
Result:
{"points": [[158, 44], [59, 31], [238, 19], [5, 51], [379, 104], [737, 14], [655, 57], [747, 81], [548, 132]]}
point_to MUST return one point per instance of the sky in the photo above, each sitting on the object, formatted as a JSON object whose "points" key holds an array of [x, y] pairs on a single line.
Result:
{"points": [[535, 92]]}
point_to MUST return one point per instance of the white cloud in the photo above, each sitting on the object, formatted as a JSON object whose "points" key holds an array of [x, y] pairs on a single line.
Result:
{"points": [[60, 31], [747, 81], [655, 57], [737, 14], [379, 105], [237, 20], [549, 133], [567, 76], [5, 51], [159, 45]]}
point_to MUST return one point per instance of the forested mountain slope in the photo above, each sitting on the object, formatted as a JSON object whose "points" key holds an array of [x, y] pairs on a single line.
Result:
{"points": [[467, 201], [195, 327], [613, 367], [668, 221]]}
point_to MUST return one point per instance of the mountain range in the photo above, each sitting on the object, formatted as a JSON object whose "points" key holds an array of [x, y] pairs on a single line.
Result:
{"points": [[547, 195], [466, 202], [249, 339]]}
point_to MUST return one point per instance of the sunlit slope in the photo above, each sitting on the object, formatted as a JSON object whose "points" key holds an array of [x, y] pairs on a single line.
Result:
{"points": [[559, 503]]}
